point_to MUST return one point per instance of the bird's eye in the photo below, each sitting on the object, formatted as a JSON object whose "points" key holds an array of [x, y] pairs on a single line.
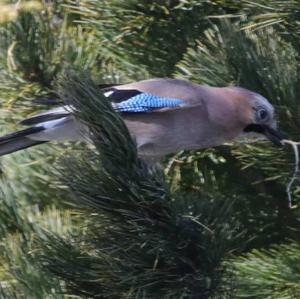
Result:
{"points": [[262, 114]]}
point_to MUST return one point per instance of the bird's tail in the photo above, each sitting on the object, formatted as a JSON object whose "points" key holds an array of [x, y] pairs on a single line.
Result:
{"points": [[19, 140]]}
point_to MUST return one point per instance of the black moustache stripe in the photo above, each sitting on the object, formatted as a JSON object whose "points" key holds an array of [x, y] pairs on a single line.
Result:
{"points": [[254, 128]]}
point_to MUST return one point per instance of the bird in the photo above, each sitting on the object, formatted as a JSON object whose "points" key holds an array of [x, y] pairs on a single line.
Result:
{"points": [[163, 116]]}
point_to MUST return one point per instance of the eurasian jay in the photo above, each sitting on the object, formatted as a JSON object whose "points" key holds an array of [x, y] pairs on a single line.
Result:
{"points": [[163, 116]]}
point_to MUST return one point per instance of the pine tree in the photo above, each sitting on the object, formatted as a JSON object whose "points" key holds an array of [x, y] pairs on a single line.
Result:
{"points": [[96, 221]]}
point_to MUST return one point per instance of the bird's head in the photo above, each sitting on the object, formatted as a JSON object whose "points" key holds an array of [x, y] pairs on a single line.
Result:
{"points": [[260, 117]]}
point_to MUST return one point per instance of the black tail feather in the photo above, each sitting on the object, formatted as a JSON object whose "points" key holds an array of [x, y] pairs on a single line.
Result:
{"points": [[17, 144], [43, 118], [21, 133], [18, 140]]}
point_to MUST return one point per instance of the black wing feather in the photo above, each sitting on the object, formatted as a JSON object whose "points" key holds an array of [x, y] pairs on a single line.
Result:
{"points": [[115, 95], [119, 95]]}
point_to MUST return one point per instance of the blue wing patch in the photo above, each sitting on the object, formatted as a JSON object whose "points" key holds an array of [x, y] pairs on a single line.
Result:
{"points": [[145, 102]]}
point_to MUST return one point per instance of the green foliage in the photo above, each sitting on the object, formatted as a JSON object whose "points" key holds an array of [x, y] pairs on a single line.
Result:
{"points": [[283, 15], [20, 274], [270, 67], [140, 240], [101, 223], [152, 34], [260, 277]]}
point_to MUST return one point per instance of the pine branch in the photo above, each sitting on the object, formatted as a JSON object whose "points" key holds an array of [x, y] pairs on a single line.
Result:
{"points": [[10, 12], [260, 277], [20, 274], [139, 241], [263, 62], [146, 33]]}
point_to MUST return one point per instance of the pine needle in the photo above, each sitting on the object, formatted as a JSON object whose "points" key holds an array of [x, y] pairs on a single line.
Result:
{"points": [[294, 145]]}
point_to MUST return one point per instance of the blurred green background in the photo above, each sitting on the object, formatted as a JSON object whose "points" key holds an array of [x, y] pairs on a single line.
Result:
{"points": [[53, 247]]}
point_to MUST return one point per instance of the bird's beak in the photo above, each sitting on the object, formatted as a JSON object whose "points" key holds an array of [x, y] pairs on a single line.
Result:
{"points": [[272, 134]]}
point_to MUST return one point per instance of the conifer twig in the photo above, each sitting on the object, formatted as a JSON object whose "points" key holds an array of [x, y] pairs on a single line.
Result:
{"points": [[10, 57], [294, 145]]}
